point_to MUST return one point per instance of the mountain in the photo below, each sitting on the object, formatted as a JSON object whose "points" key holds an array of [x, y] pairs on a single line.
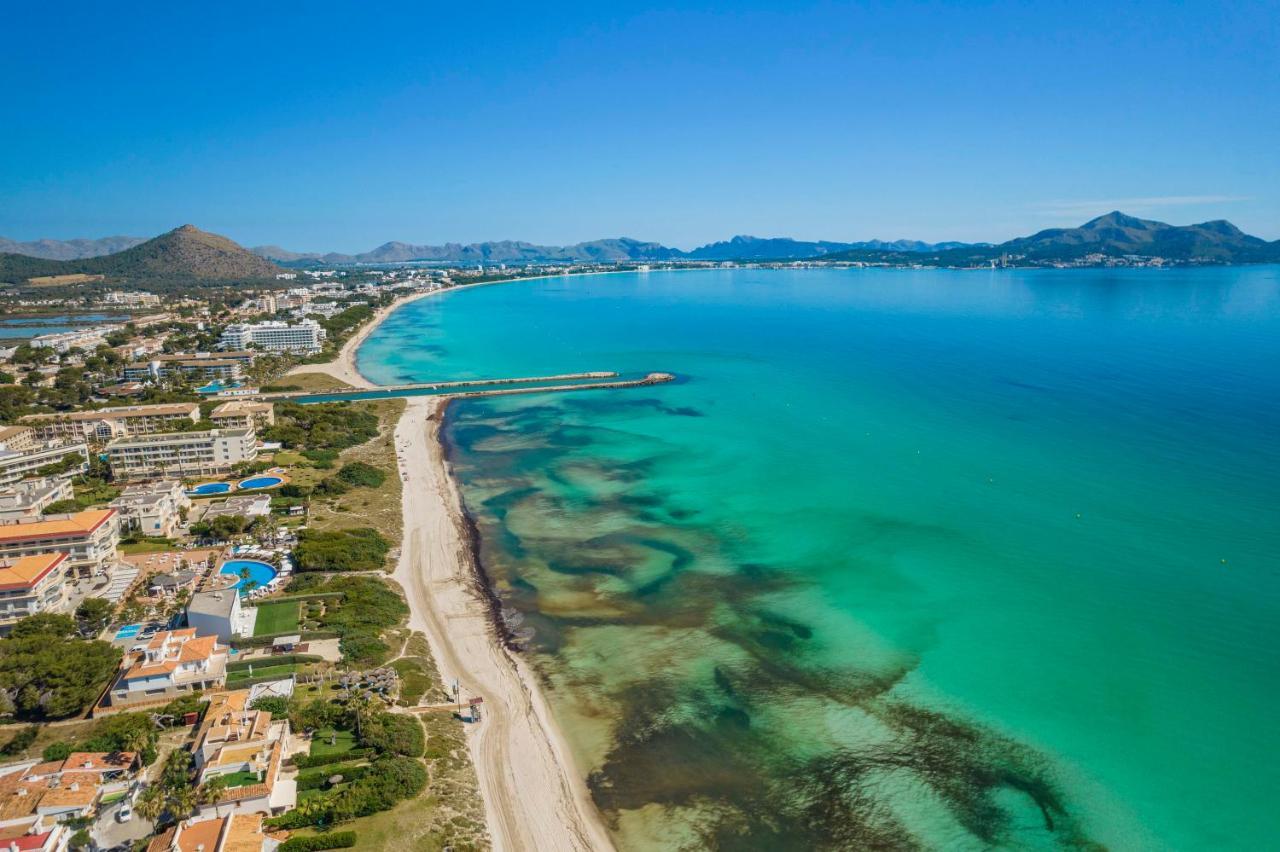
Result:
{"points": [[186, 252], [500, 251], [1114, 234], [784, 248], [619, 250], [69, 249]]}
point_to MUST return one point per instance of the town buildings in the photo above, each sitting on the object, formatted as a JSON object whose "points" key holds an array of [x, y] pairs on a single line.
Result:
{"points": [[37, 798], [31, 585], [305, 337], [205, 453], [88, 538], [237, 832], [153, 508], [18, 438], [222, 369]]}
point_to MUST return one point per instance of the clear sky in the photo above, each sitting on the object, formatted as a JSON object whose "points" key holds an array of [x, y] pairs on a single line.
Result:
{"points": [[336, 127]]}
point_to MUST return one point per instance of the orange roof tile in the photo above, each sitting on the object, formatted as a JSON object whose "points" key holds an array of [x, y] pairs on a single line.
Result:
{"points": [[26, 571], [78, 524]]}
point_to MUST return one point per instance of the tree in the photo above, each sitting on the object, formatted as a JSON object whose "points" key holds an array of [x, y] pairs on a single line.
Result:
{"points": [[176, 771], [93, 614], [182, 801], [151, 803], [214, 791]]}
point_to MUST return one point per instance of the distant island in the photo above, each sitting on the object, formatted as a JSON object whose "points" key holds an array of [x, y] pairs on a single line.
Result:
{"points": [[190, 254]]}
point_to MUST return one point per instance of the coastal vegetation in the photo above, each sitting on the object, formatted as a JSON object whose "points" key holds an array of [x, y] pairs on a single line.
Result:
{"points": [[48, 672], [361, 549]]}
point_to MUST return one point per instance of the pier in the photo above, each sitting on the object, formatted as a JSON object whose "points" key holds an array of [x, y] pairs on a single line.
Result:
{"points": [[599, 380]]}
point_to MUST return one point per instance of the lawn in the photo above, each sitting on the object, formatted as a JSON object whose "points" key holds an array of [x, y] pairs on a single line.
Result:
{"points": [[279, 671], [276, 618], [147, 545], [343, 742], [241, 779]]}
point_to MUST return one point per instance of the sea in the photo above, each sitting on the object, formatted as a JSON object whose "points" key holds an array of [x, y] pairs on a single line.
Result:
{"points": [[904, 558]]}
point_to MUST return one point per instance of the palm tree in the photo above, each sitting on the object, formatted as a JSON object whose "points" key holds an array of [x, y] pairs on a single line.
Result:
{"points": [[151, 803], [182, 801], [177, 767], [213, 792]]}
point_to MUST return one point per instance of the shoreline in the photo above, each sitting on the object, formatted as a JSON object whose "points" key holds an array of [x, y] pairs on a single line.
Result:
{"points": [[534, 795], [344, 368]]}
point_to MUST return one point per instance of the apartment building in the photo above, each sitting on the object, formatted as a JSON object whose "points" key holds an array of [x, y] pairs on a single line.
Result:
{"points": [[236, 741], [17, 466], [115, 422], [18, 438], [215, 613], [174, 662], [26, 500], [306, 336], [152, 508], [244, 414], [31, 585], [206, 453], [88, 539]]}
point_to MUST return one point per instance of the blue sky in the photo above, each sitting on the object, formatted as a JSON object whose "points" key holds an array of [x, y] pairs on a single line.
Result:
{"points": [[340, 126]]}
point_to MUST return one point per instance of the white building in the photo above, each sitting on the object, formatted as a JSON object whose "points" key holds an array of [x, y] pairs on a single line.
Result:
{"points": [[26, 500], [306, 336], [15, 467], [215, 613], [208, 453], [152, 508], [30, 585]]}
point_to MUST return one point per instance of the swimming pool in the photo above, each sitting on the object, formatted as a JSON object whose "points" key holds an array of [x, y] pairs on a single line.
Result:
{"points": [[259, 573], [128, 631], [207, 488], [260, 482]]}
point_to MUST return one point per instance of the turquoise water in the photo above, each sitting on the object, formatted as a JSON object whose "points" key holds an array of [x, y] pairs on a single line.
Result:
{"points": [[923, 558], [206, 488], [260, 573], [259, 482]]}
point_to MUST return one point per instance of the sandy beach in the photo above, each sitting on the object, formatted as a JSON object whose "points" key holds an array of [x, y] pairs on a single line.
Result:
{"points": [[535, 799]]}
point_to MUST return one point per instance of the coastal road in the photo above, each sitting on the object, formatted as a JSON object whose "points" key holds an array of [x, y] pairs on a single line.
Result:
{"points": [[535, 798]]}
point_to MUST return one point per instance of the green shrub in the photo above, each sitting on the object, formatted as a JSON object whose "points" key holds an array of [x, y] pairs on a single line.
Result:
{"points": [[389, 733], [362, 475], [362, 549]]}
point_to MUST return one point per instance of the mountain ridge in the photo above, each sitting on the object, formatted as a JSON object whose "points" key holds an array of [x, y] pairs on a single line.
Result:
{"points": [[185, 252]]}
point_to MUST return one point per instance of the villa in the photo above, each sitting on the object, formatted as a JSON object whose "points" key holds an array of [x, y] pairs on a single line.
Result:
{"points": [[232, 833], [173, 663]]}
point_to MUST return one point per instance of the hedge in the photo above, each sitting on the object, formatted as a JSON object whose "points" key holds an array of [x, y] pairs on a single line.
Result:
{"points": [[306, 761], [266, 641], [332, 840]]}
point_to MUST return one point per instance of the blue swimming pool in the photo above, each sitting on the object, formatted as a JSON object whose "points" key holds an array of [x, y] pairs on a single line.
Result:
{"points": [[259, 573], [207, 488], [260, 482], [128, 631]]}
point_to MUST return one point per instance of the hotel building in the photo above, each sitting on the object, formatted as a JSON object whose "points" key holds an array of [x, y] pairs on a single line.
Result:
{"points": [[243, 414], [107, 423], [17, 466], [153, 508], [306, 336], [88, 539], [181, 453], [31, 585]]}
